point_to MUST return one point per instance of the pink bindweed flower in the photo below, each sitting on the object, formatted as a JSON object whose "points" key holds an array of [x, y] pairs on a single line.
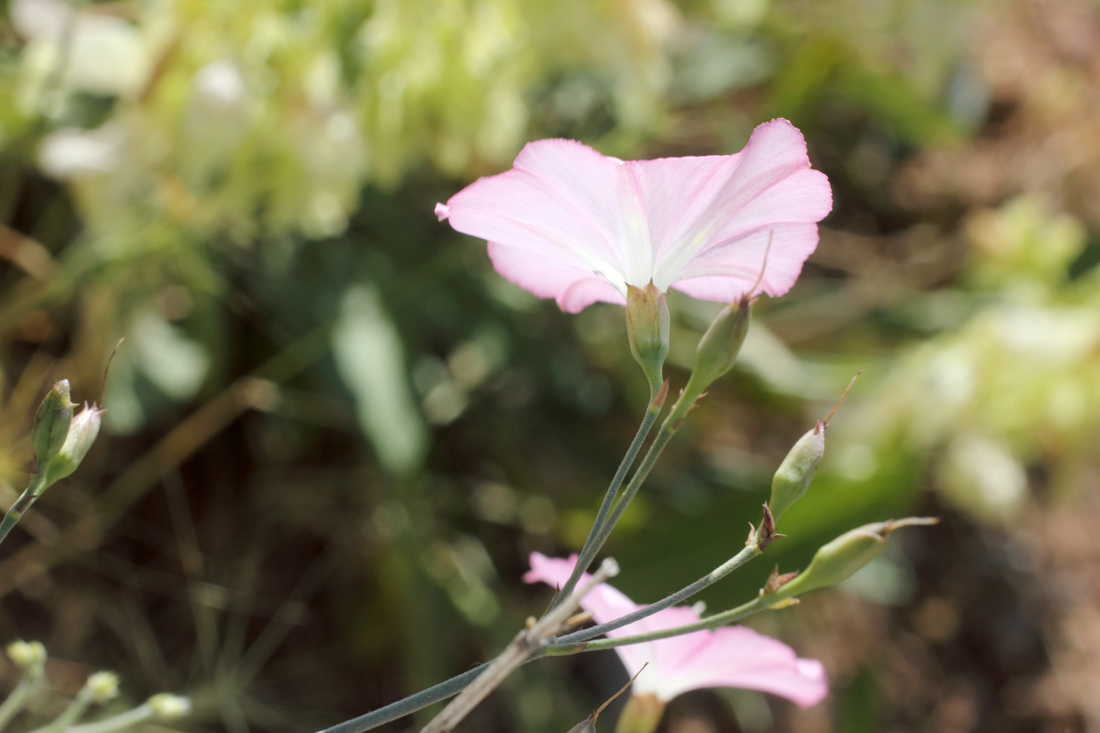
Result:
{"points": [[570, 224], [730, 656]]}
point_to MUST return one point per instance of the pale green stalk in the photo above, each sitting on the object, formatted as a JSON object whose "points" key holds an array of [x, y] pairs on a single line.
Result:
{"points": [[19, 696], [756, 605], [683, 406], [22, 504], [589, 549], [123, 720], [70, 715]]}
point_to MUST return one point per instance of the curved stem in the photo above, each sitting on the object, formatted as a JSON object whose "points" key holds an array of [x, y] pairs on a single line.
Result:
{"points": [[70, 715], [669, 427], [22, 504], [19, 696], [410, 704], [122, 720], [756, 605], [679, 596], [589, 549]]}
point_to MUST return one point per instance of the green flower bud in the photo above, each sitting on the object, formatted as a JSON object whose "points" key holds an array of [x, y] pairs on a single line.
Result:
{"points": [[51, 424], [27, 654], [837, 560], [82, 433], [719, 346], [797, 470], [647, 324]]}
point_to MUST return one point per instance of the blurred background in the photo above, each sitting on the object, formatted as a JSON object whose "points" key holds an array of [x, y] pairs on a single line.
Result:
{"points": [[334, 434]]}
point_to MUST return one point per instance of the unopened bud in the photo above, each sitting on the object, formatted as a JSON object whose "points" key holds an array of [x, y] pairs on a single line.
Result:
{"points": [[166, 705], [51, 424], [27, 654], [647, 325], [102, 687], [837, 560], [797, 470], [82, 433], [719, 346]]}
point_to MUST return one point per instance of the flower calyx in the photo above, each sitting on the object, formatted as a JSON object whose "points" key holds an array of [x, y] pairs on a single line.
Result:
{"points": [[647, 326]]}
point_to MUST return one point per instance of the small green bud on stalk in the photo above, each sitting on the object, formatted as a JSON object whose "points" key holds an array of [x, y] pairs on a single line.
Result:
{"points": [[647, 326], [719, 346], [51, 424], [797, 470], [166, 705], [836, 561], [27, 654], [82, 433], [102, 687], [795, 473]]}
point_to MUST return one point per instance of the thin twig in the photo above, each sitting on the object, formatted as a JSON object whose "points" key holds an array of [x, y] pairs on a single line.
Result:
{"points": [[526, 643]]}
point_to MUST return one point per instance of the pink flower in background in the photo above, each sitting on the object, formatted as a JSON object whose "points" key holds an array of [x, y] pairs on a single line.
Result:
{"points": [[731, 656], [570, 224]]}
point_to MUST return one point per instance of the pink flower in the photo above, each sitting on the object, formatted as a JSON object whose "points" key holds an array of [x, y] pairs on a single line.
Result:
{"points": [[570, 224], [731, 656]]}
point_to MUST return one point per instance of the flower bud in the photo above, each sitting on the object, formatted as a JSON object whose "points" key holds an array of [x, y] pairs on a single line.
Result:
{"points": [[51, 424], [82, 433], [836, 561], [166, 705], [647, 324], [719, 346], [102, 687], [797, 470], [27, 654]]}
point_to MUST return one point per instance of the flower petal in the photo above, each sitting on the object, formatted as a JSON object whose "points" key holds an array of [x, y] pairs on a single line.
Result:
{"points": [[736, 656], [715, 204], [573, 288], [560, 202], [725, 273], [731, 656]]}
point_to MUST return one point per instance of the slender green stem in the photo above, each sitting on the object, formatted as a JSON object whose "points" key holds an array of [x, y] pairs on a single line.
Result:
{"points": [[410, 704], [679, 596], [589, 550], [756, 605], [668, 428], [118, 722], [70, 715], [569, 642], [19, 696], [22, 504]]}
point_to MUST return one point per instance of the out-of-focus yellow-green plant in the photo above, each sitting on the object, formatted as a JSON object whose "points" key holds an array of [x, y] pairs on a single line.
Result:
{"points": [[1013, 383], [263, 118]]}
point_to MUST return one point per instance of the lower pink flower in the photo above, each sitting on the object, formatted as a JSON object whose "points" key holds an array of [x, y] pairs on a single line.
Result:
{"points": [[731, 656]]}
